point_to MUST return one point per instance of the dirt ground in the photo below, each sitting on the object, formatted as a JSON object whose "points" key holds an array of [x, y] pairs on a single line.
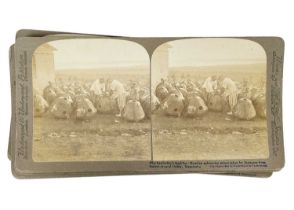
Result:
{"points": [[104, 138], [212, 137], [107, 138]]}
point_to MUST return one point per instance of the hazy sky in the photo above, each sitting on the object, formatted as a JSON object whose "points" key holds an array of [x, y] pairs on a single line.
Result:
{"points": [[214, 51], [95, 53]]}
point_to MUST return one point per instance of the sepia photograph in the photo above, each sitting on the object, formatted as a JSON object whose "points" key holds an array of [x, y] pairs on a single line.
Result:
{"points": [[91, 101], [147, 105], [212, 100]]}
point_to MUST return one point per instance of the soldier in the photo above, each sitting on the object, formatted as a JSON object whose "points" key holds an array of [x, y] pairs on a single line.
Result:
{"points": [[98, 87], [118, 93], [230, 92], [133, 109], [209, 86]]}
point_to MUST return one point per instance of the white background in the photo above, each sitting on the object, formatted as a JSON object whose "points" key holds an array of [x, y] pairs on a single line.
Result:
{"points": [[149, 18]]}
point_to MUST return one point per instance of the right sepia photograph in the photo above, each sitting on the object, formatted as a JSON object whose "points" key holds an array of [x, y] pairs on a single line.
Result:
{"points": [[212, 95]]}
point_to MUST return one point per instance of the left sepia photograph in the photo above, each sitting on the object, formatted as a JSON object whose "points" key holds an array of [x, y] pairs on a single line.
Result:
{"points": [[91, 101]]}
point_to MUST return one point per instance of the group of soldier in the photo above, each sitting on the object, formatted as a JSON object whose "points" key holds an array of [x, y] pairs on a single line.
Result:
{"points": [[134, 102], [215, 93], [82, 100]]}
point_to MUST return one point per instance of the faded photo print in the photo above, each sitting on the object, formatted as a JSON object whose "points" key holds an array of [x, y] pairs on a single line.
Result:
{"points": [[212, 96], [98, 100], [91, 101]]}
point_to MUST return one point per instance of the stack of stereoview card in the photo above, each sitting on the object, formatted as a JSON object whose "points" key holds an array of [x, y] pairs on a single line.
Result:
{"points": [[87, 105]]}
